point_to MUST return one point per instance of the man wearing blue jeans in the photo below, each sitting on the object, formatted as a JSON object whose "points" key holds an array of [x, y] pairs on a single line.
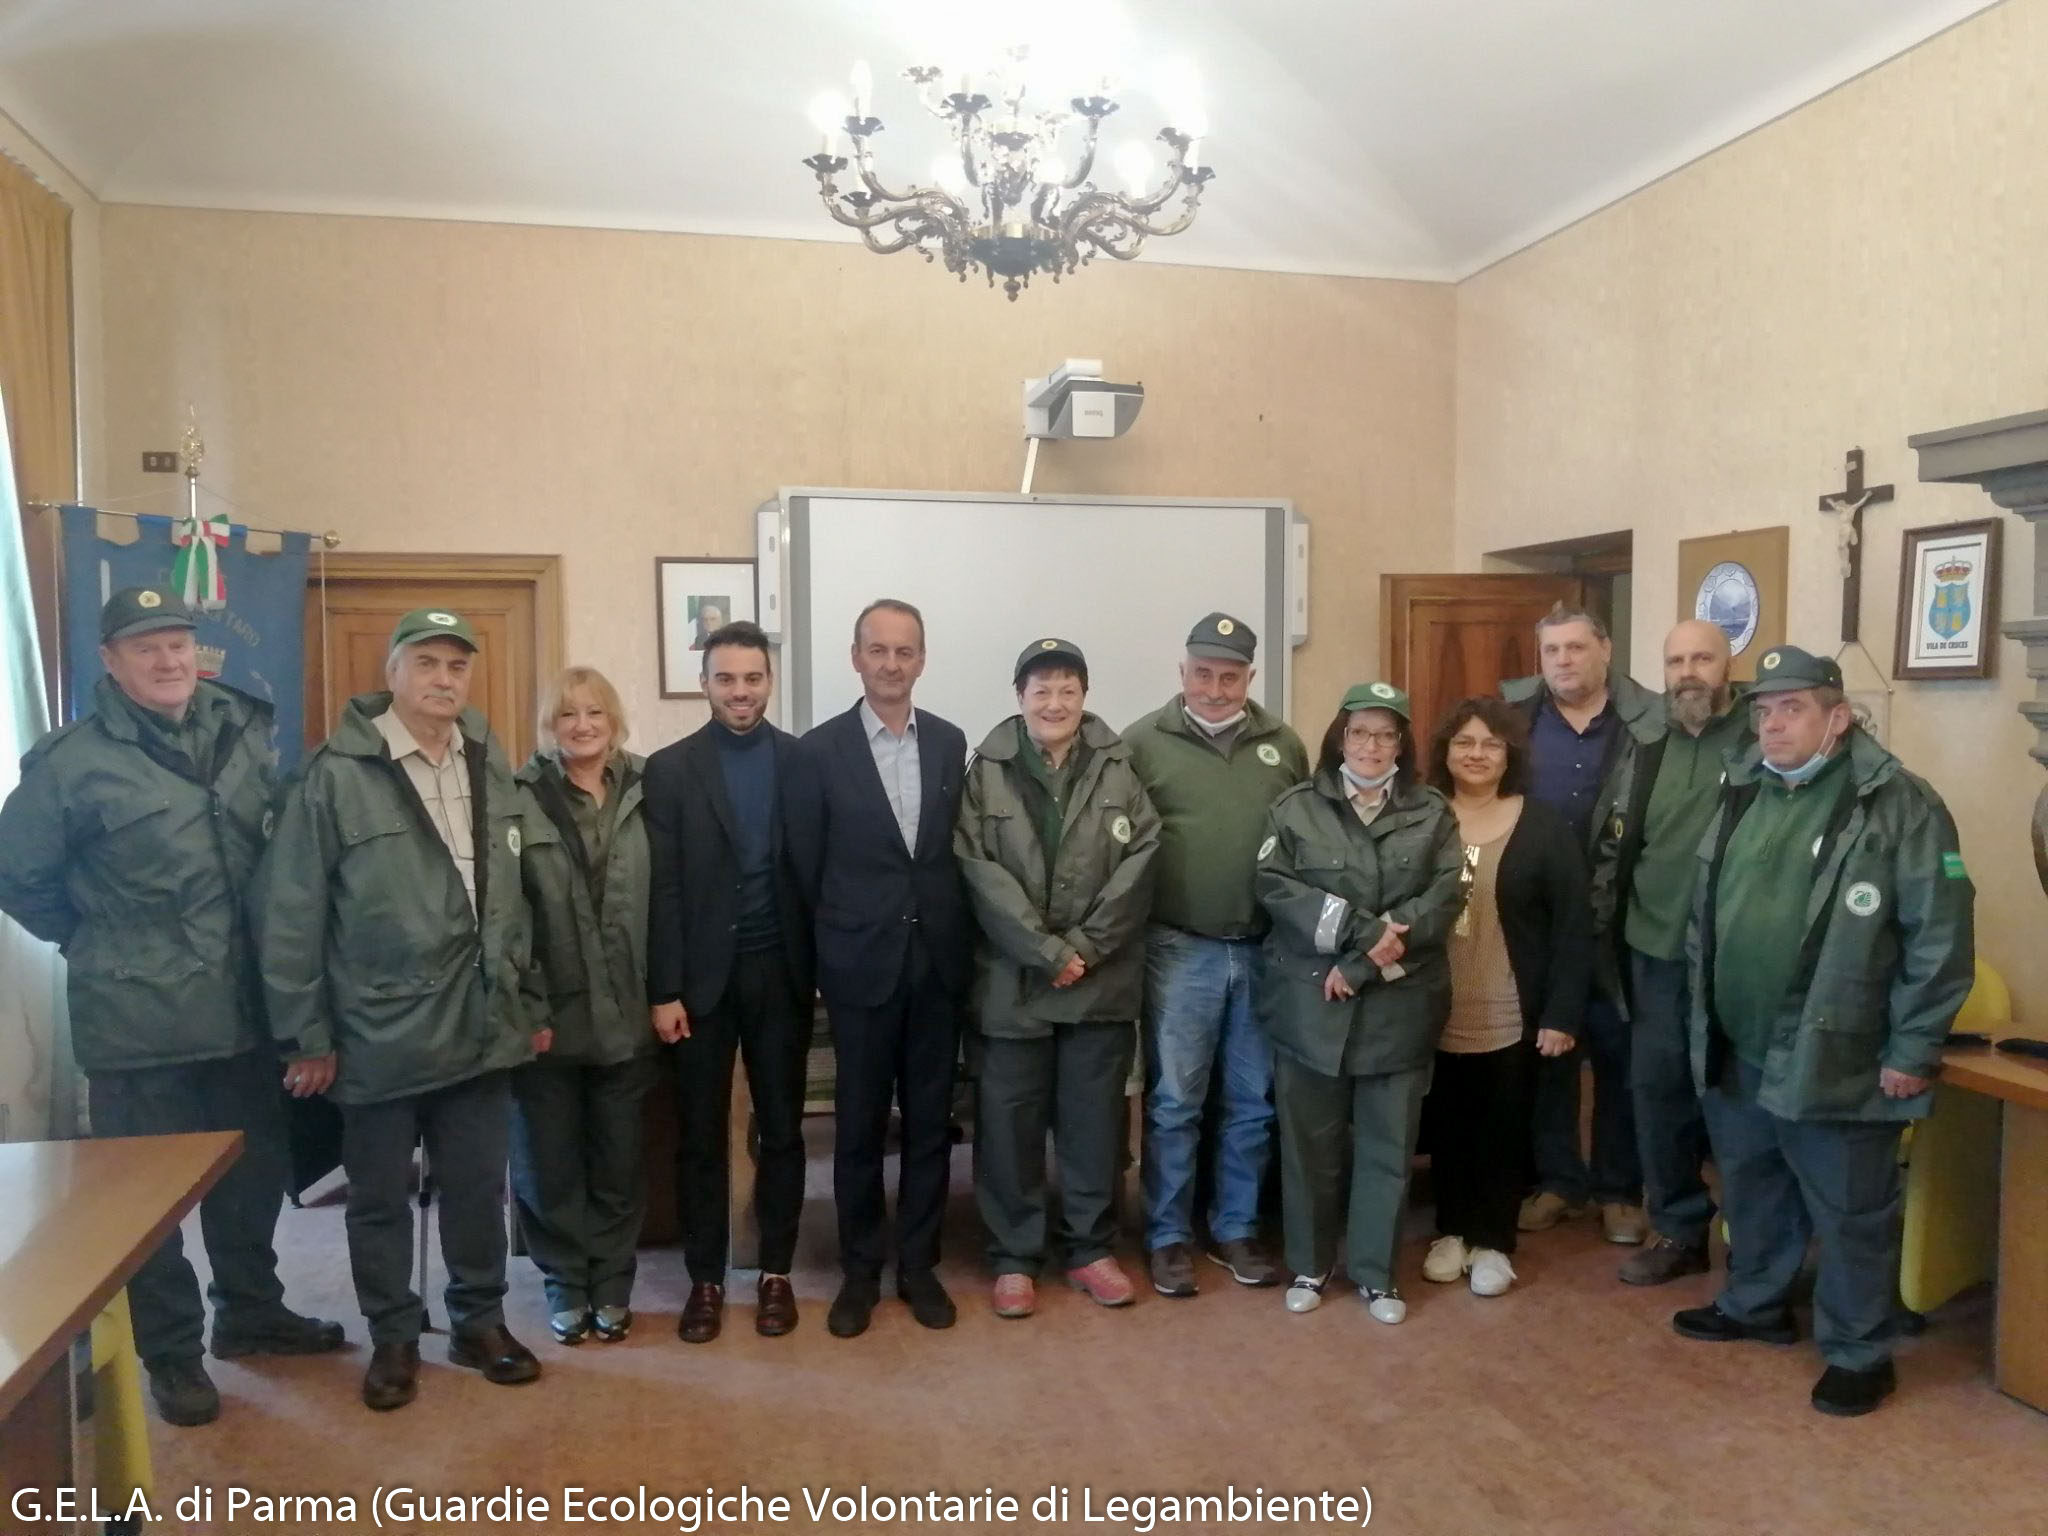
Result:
{"points": [[1585, 727], [1213, 762]]}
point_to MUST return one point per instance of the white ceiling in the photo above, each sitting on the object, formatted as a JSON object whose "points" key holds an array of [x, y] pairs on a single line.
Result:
{"points": [[1420, 138]]}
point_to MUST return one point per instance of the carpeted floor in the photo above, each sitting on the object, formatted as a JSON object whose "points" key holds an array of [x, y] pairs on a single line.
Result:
{"points": [[1566, 1406]]}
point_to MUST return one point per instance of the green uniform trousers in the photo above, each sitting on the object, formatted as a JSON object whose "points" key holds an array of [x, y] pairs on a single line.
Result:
{"points": [[1345, 1146]]}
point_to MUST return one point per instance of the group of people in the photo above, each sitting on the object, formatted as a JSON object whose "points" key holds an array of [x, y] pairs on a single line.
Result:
{"points": [[1744, 910]]}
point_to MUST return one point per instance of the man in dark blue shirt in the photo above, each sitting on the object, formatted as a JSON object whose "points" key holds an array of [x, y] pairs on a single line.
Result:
{"points": [[1583, 724], [730, 970]]}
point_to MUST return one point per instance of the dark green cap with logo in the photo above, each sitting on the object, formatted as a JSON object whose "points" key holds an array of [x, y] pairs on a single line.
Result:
{"points": [[432, 624], [1786, 669], [1376, 696], [1222, 638], [1050, 652], [138, 610]]}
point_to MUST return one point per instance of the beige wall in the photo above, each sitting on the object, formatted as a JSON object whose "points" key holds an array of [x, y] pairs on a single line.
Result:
{"points": [[617, 396], [1697, 358], [86, 319]]}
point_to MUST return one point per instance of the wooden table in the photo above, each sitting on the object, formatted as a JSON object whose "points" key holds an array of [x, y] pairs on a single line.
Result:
{"points": [[77, 1219], [2021, 1082]]}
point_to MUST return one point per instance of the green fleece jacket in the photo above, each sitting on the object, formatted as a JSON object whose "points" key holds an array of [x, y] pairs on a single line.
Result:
{"points": [[1212, 812]]}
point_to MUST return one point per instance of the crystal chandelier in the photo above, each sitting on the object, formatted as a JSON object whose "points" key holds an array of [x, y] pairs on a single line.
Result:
{"points": [[1006, 199]]}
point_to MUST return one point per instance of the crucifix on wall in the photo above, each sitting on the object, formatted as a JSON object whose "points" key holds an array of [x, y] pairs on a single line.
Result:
{"points": [[1847, 507]]}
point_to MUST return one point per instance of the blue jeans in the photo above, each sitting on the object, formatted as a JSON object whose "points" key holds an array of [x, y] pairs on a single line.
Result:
{"points": [[1198, 1011], [1616, 1175], [1670, 1131]]}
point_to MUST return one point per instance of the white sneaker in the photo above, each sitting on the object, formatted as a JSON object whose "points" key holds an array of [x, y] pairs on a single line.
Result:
{"points": [[1448, 1260], [1385, 1306], [1492, 1274], [1305, 1295]]}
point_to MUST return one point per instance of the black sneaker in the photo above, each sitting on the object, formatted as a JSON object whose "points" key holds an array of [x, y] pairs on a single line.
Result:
{"points": [[1173, 1270], [1847, 1394], [282, 1332], [1717, 1327], [184, 1393], [1247, 1264], [929, 1303]]}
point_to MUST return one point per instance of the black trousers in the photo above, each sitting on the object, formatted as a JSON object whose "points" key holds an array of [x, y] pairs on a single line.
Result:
{"points": [[237, 1217], [762, 1019], [1071, 1083], [905, 1049], [466, 1127], [1479, 1117], [578, 1175]]}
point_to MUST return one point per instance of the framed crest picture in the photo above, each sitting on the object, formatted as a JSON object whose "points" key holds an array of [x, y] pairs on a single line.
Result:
{"points": [[1948, 602], [692, 598]]}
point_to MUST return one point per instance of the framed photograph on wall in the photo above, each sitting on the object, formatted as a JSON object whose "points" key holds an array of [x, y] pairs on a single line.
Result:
{"points": [[692, 597], [1948, 602]]}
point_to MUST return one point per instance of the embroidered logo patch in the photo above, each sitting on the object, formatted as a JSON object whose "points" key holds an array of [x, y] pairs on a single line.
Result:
{"points": [[1120, 829], [1952, 866], [1269, 754], [1863, 898], [1771, 661], [512, 838], [443, 618], [148, 600], [1048, 645], [269, 824], [1382, 691], [1266, 848], [1225, 627]]}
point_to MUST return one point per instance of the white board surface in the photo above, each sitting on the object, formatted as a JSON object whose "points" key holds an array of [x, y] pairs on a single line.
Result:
{"points": [[1123, 579]]}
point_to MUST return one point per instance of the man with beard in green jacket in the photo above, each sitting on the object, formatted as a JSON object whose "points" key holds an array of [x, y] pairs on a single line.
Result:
{"points": [[130, 843], [393, 936], [1831, 946]]}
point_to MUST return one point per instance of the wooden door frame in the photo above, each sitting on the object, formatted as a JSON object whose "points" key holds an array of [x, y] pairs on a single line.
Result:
{"points": [[543, 573], [1394, 638]]}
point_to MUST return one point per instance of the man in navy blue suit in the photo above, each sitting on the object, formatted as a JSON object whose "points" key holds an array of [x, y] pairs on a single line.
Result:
{"points": [[869, 804]]}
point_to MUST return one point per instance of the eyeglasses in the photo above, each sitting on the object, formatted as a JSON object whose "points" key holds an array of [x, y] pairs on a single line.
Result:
{"points": [[1374, 738], [1492, 746]]}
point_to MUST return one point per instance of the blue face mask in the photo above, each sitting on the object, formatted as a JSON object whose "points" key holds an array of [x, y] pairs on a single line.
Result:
{"points": [[1794, 777], [1368, 786]]}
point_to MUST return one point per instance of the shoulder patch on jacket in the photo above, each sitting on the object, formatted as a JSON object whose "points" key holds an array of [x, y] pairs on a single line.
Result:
{"points": [[1269, 754], [1266, 848], [1952, 866]]}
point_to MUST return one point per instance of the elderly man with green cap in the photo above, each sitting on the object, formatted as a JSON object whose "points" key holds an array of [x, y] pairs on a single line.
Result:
{"points": [[1213, 762], [1056, 839], [130, 843], [1831, 946], [393, 935]]}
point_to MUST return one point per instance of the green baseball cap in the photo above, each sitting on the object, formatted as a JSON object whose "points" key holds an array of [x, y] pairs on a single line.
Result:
{"points": [[1376, 696], [1222, 638], [432, 624], [1050, 652], [1787, 669], [138, 610]]}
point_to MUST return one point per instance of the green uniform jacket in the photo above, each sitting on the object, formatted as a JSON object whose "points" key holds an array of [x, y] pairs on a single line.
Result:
{"points": [[365, 938], [1095, 904], [1618, 841], [116, 851], [1887, 958], [1212, 810], [589, 973], [1326, 878]]}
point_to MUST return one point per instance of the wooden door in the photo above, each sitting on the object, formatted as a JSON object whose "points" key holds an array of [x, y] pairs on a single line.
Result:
{"points": [[1446, 638], [508, 600]]}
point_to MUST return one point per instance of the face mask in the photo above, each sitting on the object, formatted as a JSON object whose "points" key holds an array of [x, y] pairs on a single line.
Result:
{"points": [[1794, 777], [1364, 785], [1213, 727]]}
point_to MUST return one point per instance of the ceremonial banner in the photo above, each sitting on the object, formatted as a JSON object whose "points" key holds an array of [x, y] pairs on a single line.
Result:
{"points": [[254, 641]]}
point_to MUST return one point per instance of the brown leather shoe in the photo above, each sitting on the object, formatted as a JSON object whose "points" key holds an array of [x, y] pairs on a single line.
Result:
{"points": [[703, 1314], [502, 1359], [774, 1307], [393, 1379]]}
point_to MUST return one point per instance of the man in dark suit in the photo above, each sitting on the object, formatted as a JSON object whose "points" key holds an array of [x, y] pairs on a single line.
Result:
{"points": [[870, 800], [729, 968]]}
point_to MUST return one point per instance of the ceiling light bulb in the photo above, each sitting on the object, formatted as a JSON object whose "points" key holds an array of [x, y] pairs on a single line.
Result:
{"points": [[1135, 165], [863, 80]]}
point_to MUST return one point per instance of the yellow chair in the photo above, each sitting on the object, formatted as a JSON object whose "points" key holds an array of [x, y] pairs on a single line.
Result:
{"points": [[120, 1431], [1951, 1224]]}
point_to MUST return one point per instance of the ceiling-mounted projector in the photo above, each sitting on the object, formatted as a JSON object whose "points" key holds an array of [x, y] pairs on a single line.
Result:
{"points": [[1074, 400]]}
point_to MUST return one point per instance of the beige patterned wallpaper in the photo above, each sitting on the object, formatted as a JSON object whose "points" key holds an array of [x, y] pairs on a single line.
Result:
{"points": [[1697, 359]]}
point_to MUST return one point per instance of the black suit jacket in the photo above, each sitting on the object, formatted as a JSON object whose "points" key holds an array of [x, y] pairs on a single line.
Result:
{"points": [[693, 902], [867, 891]]}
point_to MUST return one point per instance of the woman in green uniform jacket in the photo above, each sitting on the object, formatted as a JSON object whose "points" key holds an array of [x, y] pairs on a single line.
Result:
{"points": [[577, 1173], [1362, 874], [1056, 839]]}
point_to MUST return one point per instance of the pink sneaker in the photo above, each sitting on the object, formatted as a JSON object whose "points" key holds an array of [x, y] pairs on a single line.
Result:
{"points": [[1015, 1296], [1104, 1283]]}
